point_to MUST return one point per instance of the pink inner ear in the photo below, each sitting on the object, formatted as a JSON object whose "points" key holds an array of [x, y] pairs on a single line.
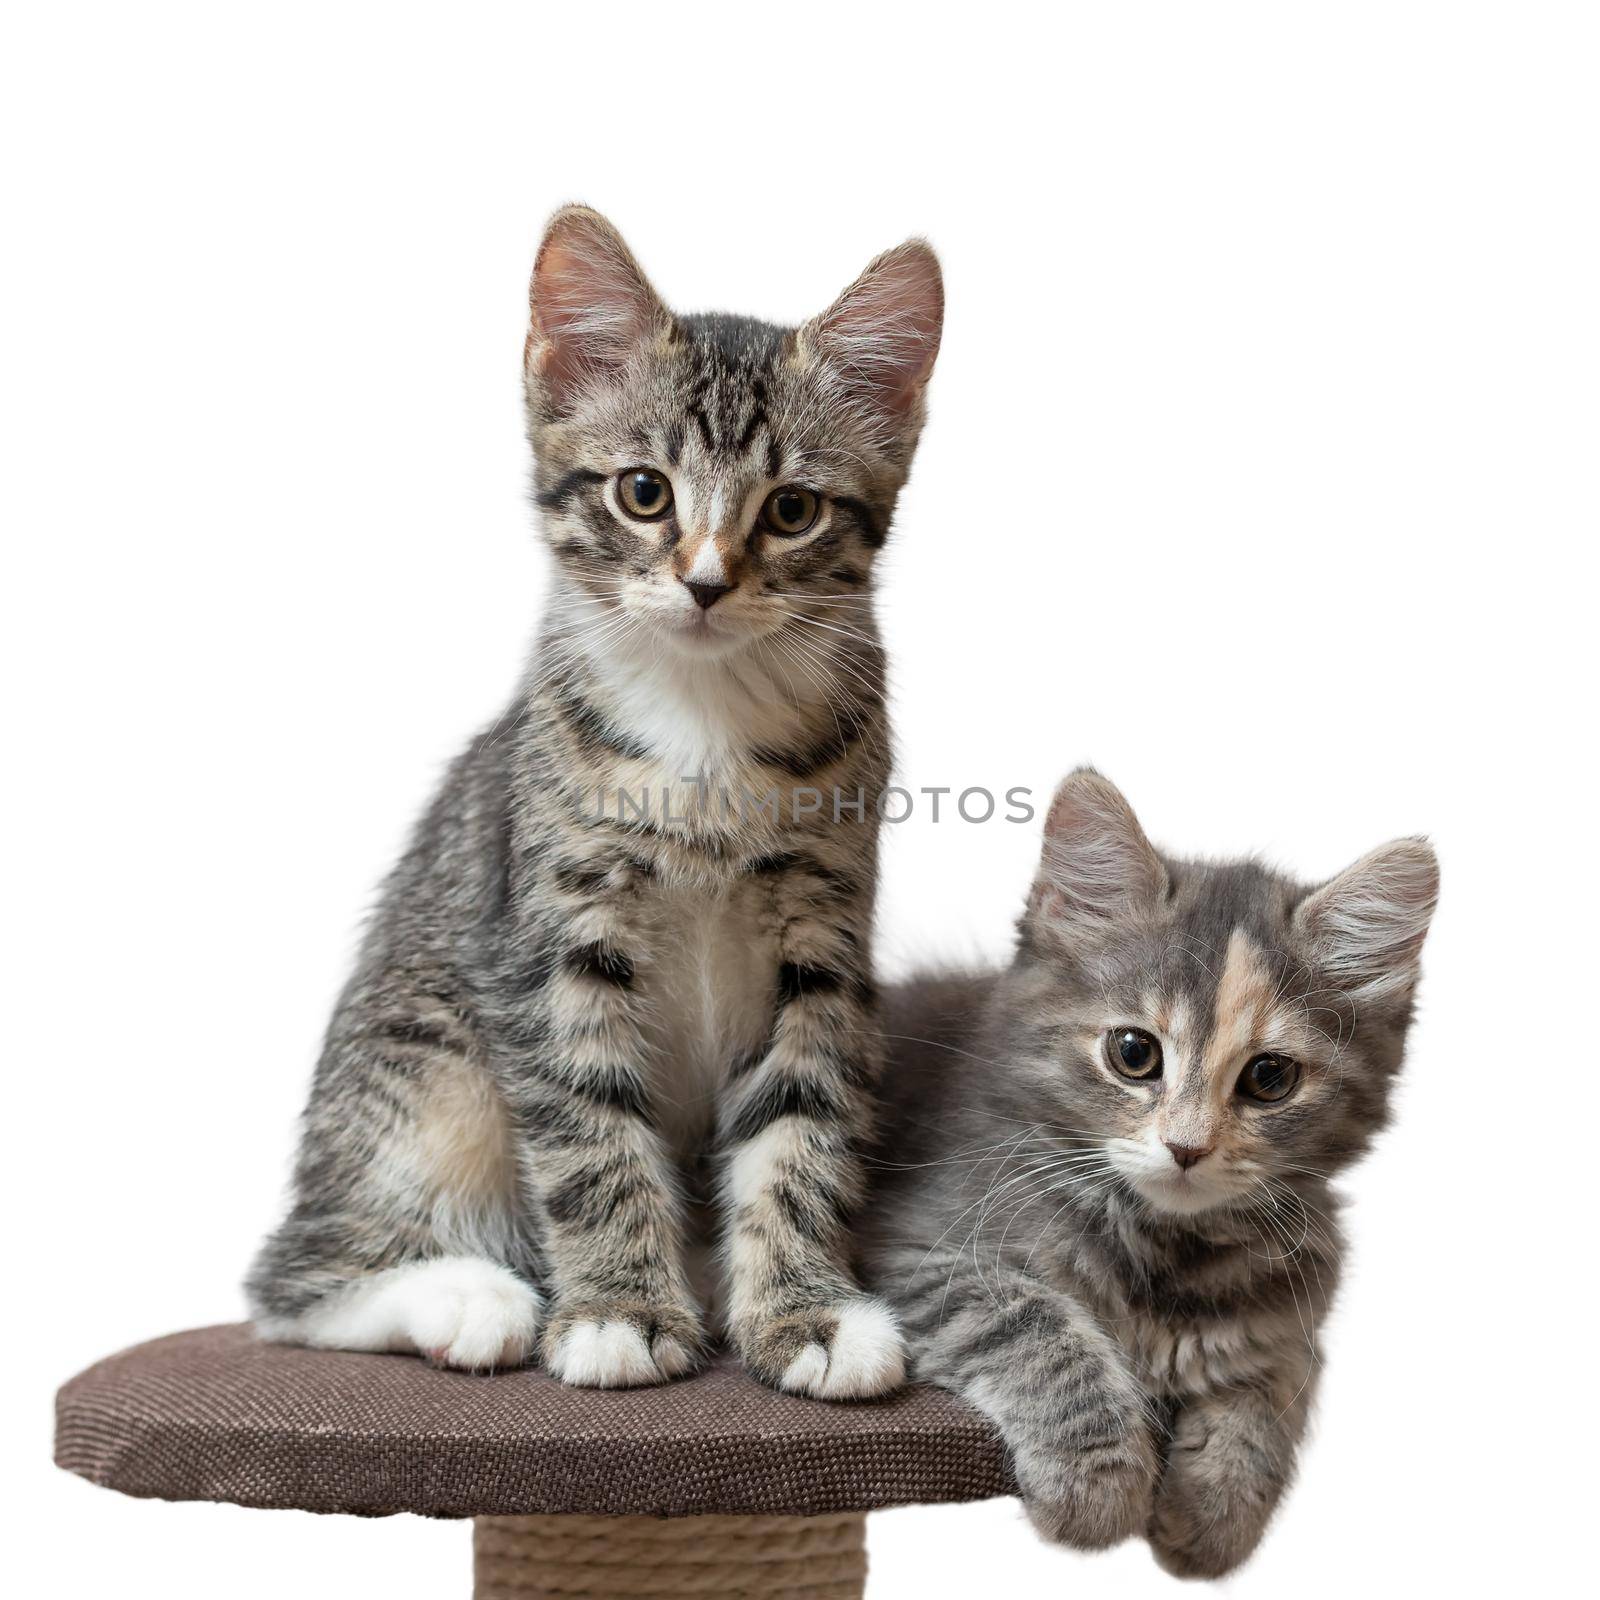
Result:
{"points": [[1370, 921], [591, 306], [557, 310], [884, 330], [1097, 863]]}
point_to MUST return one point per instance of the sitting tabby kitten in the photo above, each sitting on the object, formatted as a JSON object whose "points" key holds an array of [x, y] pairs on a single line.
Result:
{"points": [[596, 965], [1107, 1221]]}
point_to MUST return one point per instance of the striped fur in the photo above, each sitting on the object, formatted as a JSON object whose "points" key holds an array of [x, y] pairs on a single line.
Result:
{"points": [[621, 981], [1145, 1334]]}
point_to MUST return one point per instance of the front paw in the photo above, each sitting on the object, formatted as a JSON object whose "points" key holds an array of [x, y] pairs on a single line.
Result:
{"points": [[847, 1349], [1188, 1547], [622, 1344], [1090, 1493], [1198, 1536], [1224, 1477]]}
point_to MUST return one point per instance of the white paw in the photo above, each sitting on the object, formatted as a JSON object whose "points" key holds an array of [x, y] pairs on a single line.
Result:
{"points": [[866, 1356], [614, 1355], [460, 1311], [479, 1319]]}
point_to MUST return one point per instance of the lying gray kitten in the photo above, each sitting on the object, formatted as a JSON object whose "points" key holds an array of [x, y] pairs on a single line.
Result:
{"points": [[1106, 1218]]}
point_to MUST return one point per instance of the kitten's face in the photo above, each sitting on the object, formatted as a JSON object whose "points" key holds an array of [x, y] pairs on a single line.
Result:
{"points": [[711, 481], [1207, 1051], [724, 491], [1213, 1029]]}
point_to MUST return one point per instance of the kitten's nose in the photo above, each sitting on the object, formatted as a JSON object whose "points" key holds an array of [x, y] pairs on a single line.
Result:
{"points": [[1187, 1154], [706, 595]]}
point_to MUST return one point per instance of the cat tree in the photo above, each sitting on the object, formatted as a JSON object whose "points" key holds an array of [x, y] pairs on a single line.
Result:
{"points": [[713, 1486]]}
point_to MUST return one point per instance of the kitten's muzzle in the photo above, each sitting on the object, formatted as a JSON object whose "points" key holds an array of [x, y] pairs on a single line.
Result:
{"points": [[1186, 1155], [706, 595]]}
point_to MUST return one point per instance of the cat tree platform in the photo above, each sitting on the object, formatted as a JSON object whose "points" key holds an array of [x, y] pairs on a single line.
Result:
{"points": [[712, 1486]]}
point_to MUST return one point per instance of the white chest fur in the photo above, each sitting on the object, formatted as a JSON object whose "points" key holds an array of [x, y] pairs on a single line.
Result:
{"points": [[710, 994], [713, 960], [702, 718]]}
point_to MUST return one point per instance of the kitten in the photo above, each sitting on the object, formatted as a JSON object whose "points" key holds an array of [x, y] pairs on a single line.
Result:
{"points": [[624, 963], [1106, 1219]]}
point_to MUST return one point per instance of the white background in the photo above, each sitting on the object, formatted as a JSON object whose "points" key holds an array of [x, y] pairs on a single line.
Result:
{"points": [[1261, 472]]}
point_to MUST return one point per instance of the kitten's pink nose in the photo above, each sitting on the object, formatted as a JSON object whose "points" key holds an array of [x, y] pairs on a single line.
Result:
{"points": [[706, 595], [1187, 1154]]}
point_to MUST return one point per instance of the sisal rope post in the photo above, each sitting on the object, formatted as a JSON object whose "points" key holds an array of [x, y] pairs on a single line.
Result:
{"points": [[641, 1558]]}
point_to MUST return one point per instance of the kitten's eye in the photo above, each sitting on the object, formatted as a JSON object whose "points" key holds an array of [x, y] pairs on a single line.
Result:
{"points": [[644, 494], [790, 510], [1134, 1053], [1269, 1078]]}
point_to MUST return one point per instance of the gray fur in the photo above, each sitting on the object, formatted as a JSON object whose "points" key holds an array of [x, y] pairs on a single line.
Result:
{"points": [[499, 1080], [1151, 1361]]}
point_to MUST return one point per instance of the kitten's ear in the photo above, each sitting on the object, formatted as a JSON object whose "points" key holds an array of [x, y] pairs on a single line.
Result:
{"points": [[1098, 867], [882, 334], [1366, 926], [591, 306]]}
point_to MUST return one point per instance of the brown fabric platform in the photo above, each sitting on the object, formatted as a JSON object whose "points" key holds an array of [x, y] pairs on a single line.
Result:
{"points": [[216, 1415]]}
